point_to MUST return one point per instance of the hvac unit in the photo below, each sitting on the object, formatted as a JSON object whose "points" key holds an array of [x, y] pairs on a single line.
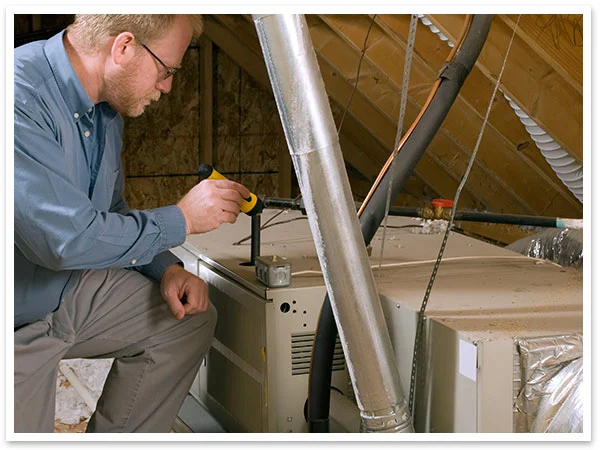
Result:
{"points": [[489, 312]]}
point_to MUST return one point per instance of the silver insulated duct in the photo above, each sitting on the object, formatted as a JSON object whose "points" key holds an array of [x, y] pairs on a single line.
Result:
{"points": [[314, 146]]}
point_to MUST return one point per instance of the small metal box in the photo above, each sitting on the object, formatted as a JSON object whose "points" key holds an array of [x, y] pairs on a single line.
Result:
{"points": [[273, 271]]}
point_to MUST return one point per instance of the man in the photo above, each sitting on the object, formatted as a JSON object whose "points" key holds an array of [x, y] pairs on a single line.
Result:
{"points": [[94, 279]]}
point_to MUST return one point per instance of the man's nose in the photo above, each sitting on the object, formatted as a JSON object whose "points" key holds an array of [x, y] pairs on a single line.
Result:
{"points": [[164, 86]]}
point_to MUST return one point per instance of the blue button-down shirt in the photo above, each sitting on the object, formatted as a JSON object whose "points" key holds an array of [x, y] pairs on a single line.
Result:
{"points": [[69, 211]]}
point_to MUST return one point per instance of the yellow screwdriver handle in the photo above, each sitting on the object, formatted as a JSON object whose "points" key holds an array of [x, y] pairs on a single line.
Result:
{"points": [[250, 206]]}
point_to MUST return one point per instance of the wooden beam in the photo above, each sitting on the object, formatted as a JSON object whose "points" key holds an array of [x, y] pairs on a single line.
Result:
{"points": [[241, 51], [557, 39], [530, 81], [453, 157], [206, 100], [499, 158], [36, 22], [502, 121], [501, 233]]}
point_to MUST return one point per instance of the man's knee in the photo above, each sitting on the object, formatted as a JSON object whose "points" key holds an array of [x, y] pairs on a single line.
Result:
{"points": [[208, 320], [202, 327], [212, 315]]}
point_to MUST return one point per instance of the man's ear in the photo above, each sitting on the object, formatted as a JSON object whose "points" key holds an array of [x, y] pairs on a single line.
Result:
{"points": [[123, 48]]}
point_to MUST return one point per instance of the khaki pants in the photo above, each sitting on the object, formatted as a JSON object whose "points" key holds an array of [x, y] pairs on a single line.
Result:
{"points": [[112, 313]]}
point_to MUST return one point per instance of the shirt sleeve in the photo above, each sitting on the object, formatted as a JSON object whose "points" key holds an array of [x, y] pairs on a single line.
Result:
{"points": [[57, 226]]}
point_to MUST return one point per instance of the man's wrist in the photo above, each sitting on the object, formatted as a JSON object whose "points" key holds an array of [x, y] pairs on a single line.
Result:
{"points": [[173, 267], [185, 219]]}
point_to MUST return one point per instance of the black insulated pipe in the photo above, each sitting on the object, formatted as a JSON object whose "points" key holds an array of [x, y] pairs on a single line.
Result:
{"points": [[510, 219], [425, 130], [322, 354], [453, 75], [429, 213]]}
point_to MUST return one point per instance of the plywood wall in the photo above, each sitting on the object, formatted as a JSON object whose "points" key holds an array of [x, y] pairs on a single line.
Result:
{"points": [[162, 148], [249, 136]]}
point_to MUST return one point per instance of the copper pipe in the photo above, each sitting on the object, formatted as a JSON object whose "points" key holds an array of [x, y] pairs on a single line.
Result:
{"points": [[434, 89]]}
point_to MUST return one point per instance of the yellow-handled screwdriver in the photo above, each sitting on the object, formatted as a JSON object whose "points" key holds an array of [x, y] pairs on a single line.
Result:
{"points": [[250, 206]]}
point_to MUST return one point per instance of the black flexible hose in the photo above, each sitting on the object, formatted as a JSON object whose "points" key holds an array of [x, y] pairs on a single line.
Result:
{"points": [[432, 119], [322, 355], [413, 211], [453, 75], [512, 219]]}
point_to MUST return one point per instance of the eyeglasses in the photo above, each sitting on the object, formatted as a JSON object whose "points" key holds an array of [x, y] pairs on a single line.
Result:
{"points": [[169, 71]]}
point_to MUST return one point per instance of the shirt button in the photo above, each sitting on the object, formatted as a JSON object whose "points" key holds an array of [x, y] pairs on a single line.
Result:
{"points": [[87, 133], [76, 115], [133, 261], [90, 110]]}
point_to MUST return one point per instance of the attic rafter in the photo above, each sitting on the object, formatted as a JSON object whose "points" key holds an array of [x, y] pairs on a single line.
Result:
{"points": [[557, 38], [374, 83], [536, 86], [499, 154], [502, 119]]}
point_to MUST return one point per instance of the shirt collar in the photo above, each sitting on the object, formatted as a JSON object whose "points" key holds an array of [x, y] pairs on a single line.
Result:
{"points": [[70, 87]]}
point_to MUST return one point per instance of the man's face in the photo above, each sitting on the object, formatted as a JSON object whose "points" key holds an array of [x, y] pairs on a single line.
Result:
{"points": [[129, 92], [142, 80]]}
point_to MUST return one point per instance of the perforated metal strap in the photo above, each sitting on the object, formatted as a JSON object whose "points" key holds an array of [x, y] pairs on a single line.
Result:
{"points": [[410, 48]]}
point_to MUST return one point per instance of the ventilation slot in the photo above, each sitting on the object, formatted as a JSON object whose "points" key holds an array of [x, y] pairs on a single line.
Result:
{"points": [[302, 344]]}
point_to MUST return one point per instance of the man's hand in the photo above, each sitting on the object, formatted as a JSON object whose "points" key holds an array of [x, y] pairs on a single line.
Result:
{"points": [[211, 203], [185, 293]]}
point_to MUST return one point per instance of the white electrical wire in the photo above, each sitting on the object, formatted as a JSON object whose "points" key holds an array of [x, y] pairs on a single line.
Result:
{"points": [[430, 261]]}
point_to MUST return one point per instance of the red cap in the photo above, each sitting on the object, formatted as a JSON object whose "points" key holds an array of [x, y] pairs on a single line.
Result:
{"points": [[441, 203]]}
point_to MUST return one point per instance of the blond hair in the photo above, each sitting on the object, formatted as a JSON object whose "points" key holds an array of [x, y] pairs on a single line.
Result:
{"points": [[91, 30]]}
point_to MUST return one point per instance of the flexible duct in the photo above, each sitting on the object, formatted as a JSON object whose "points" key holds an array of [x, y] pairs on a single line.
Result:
{"points": [[314, 146], [563, 246], [564, 165], [548, 395]]}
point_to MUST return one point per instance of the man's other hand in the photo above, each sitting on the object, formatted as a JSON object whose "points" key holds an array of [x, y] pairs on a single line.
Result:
{"points": [[211, 203], [185, 293]]}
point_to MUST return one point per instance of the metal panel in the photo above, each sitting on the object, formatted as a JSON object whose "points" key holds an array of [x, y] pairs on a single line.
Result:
{"points": [[287, 391], [236, 391], [447, 400], [236, 368], [484, 296], [495, 386]]}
